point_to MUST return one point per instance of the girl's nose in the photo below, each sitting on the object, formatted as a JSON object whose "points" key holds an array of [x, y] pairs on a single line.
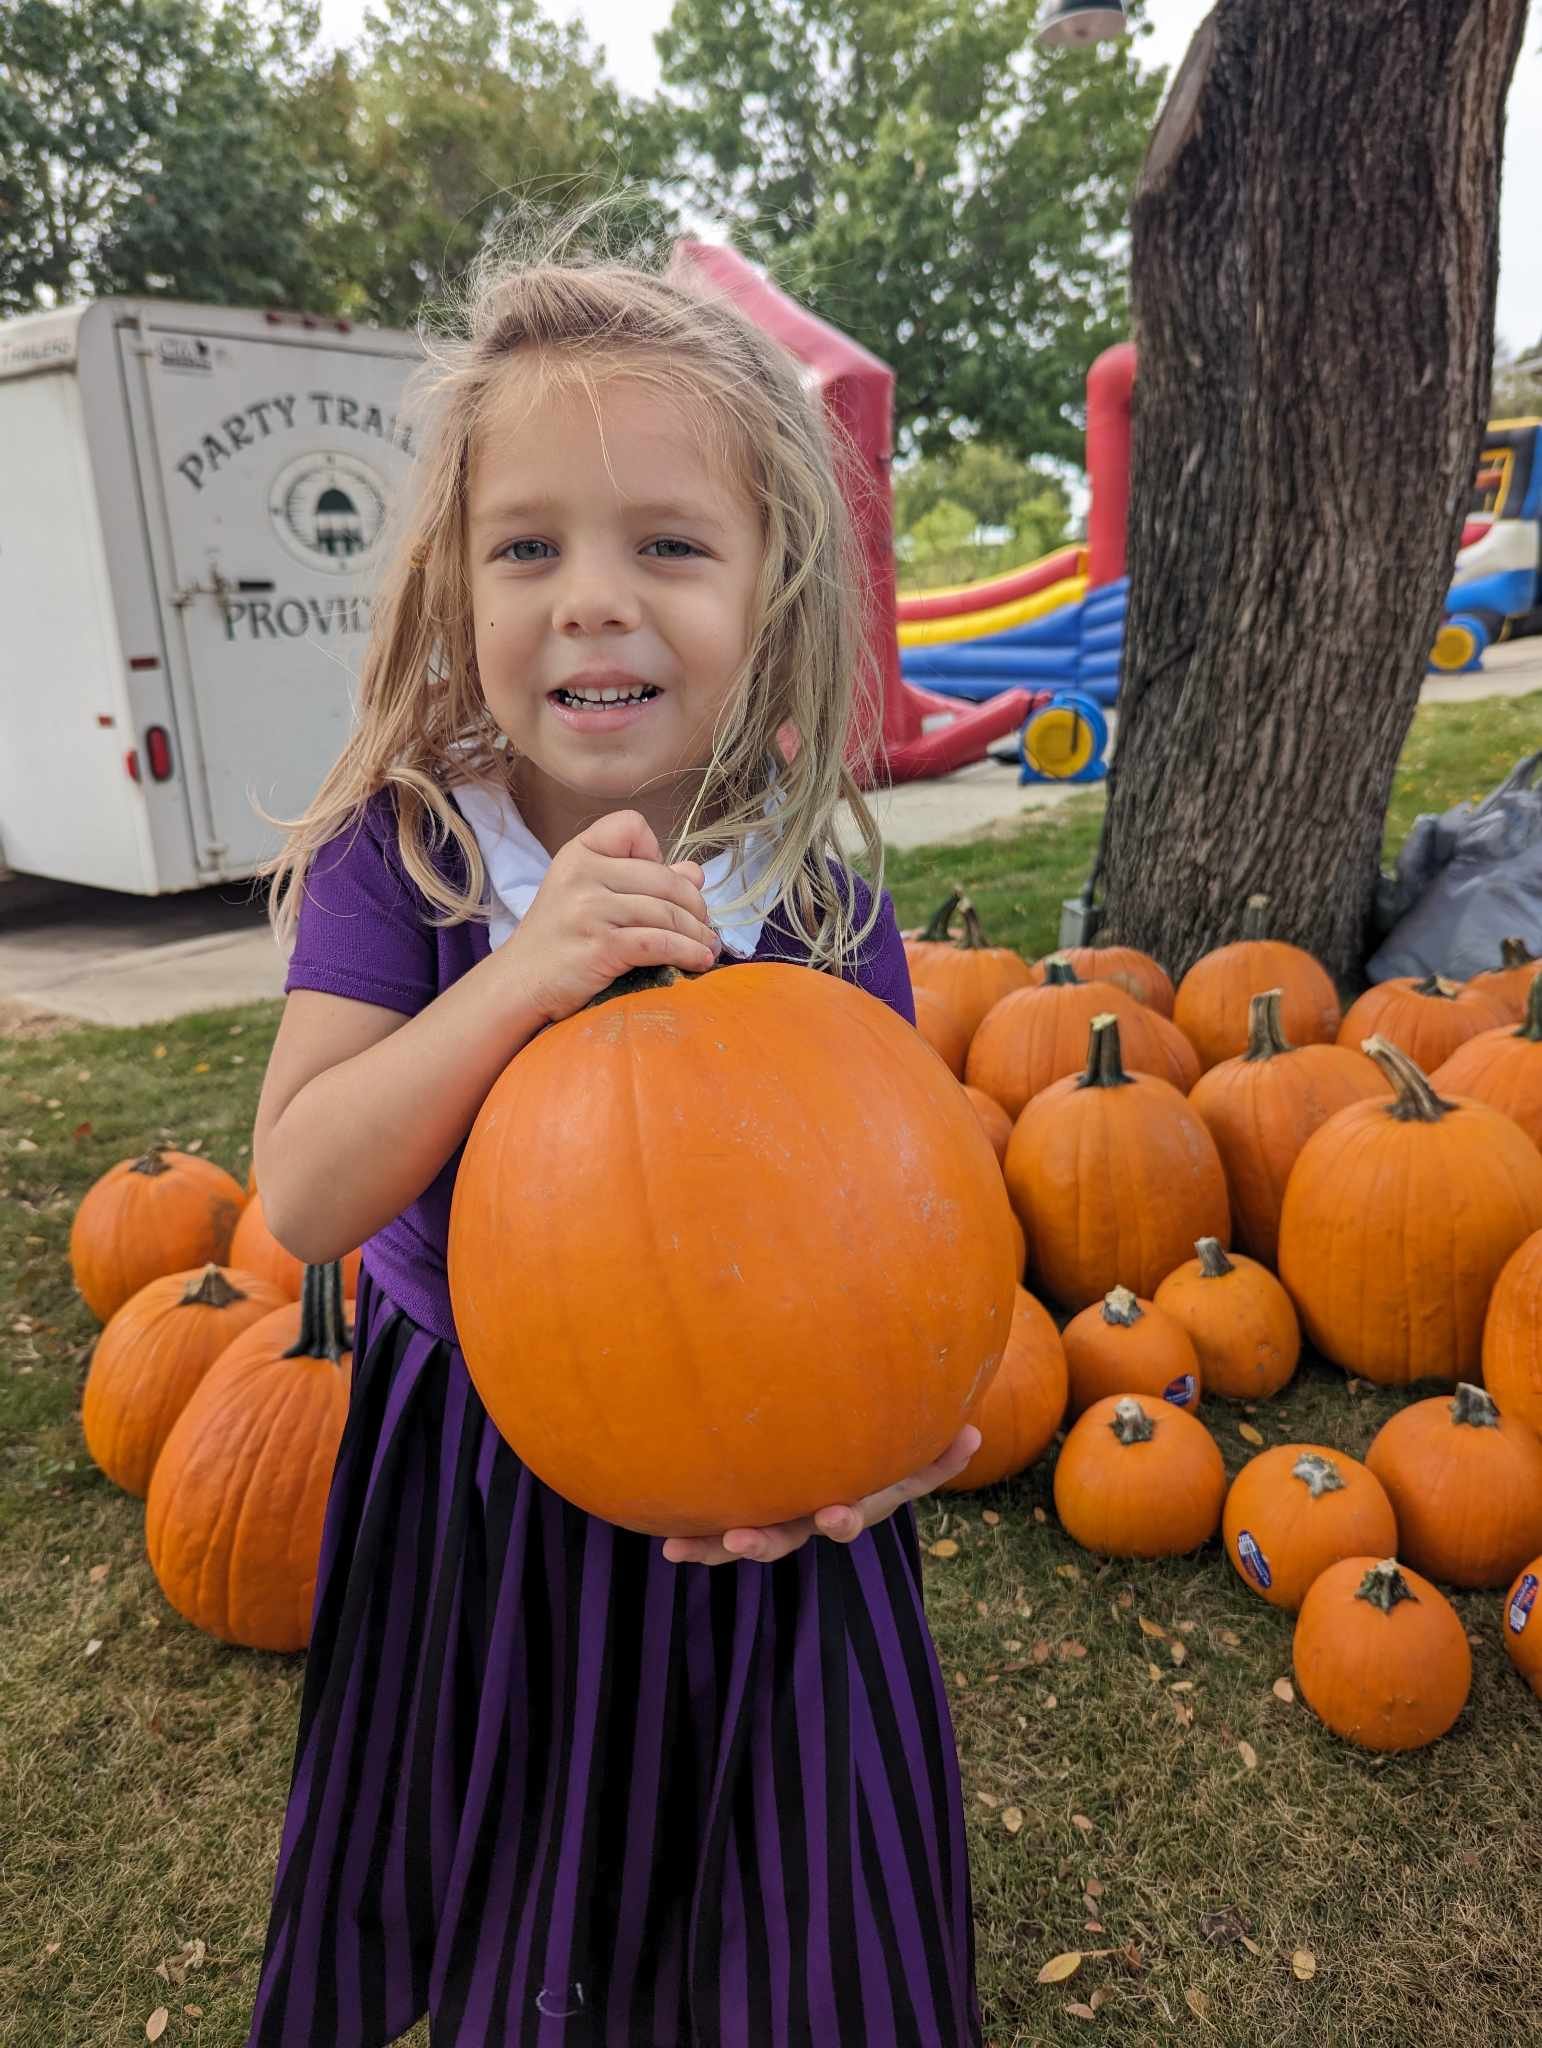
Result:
{"points": [[594, 600]]}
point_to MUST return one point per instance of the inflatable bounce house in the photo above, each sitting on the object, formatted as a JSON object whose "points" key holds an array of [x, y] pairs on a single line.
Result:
{"points": [[1497, 591], [1034, 654]]}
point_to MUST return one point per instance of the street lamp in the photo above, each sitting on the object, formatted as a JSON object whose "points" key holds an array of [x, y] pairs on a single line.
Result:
{"points": [[1081, 21]]}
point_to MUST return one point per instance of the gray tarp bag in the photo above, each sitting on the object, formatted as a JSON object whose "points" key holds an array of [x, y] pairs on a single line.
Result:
{"points": [[1464, 882]]}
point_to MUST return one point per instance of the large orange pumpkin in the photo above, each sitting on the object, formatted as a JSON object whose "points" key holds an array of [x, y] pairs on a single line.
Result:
{"points": [[256, 1250], [152, 1355], [1503, 1068], [1240, 1320], [1425, 1016], [1465, 1483], [1123, 1345], [1212, 1004], [234, 1512], [1113, 1176], [1036, 1036], [1125, 966], [941, 1030], [994, 1121], [1512, 1335], [727, 1249], [1294, 1510], [1261, 1108], [1510, 983], [1521, 1627], [1397, 1220], [1139, 1478], [1021, 1409], [971, 974], [1381, 1656], [161, 1213]]}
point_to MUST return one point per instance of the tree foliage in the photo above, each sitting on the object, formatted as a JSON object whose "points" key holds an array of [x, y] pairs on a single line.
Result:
{"points": [[941, 501], [919, 174]]}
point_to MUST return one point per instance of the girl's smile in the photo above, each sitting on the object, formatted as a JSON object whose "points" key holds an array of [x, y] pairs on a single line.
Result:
{"points": [[613, 569]]}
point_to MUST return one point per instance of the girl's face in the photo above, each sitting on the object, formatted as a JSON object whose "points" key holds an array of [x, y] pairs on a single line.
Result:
{"points": [[613, 572]]}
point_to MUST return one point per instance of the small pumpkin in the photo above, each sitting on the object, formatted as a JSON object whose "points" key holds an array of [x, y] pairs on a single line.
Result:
{"points": [[1397, 1219], [1380, 1654], [1125, 966], [1113, 1176], [1297, 1508], [1036, 1036], [936, 934], [994, 1121], [1021, 1409], [1019, 1244], [1261, 1108], [971, 975], [234, 1512], [151, 1357], [163, 1212], [1240, 1319], [1512, 1335], [1122, 1345], [1212, 1003], [1139, 1478], [1510, 982], [1502, 1068], [1521, 1626], [941, 1030], [255, 1249], [1426, 1016], [1465, 1482]]}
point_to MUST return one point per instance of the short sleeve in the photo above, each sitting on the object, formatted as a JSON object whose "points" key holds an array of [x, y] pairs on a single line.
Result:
{"points": [[881, 967], [364, 926]]}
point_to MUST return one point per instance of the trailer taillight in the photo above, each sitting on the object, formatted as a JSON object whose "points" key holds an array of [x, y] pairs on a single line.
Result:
{"points": [[158, 747], [131, 763]]}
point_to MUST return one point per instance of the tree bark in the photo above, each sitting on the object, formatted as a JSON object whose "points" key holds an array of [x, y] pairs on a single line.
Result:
{"points": [[1314, 262]]}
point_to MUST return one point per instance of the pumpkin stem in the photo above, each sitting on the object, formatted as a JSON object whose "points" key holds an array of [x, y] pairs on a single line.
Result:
{"points": [[636, 981], [1255, 918], [1474, 1405], [940, 930], [1531, 1026], [1131, 1424], [1120, 1306], [1318, 1474], [1384, 1585], [1266, 1029], [1213, 1262], [150, 1163], [1105, 1066], [212, 1289], [1437, 985], [1514, 953], [1415, 1100], [973, 939], [324, 1332], [1059, 973]]}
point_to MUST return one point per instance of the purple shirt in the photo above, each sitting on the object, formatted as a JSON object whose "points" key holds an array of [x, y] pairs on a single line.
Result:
{"points": [[365, 932]]}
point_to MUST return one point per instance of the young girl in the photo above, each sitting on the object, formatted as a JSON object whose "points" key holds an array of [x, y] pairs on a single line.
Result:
{"points": [[556, 1782]]}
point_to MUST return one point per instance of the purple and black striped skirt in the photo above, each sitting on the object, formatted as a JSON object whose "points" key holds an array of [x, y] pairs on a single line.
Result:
{"points": [[558, 1793]]}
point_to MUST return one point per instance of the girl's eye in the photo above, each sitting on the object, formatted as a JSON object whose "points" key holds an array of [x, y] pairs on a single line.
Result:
{"points": [[512, 554], [685, 547]]}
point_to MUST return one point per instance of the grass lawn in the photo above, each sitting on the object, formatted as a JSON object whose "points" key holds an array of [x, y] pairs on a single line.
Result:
{"points": [[1138, 1791]]}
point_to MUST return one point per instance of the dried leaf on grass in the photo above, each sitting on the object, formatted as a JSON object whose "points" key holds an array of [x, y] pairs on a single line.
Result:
{"points": [[1229, 1637], [1151, 1628], [1058, 1968], [156, 2024], [1012, 1820], [98, 1572], [1283, 1690], [93, 1646], [1304, 1964], [1093, 1888], [1248, 1754], [1224, 1925], [1178, 1652], [1249, 1434], [1197, 2002], [1080, 1820], [944, 1547], [1067, 1571], [1082, 2012], [989, 1517]]}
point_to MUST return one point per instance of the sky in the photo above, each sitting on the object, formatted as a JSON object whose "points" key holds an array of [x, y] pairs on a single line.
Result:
{"points": [[624, 30]]}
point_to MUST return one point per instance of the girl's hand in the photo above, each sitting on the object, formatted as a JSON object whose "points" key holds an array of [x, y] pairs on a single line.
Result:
{"points": [[609, 903], [841, 1524]]}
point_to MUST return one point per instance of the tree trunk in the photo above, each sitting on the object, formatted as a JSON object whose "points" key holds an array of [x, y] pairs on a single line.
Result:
{"points": [[1315, 254]]}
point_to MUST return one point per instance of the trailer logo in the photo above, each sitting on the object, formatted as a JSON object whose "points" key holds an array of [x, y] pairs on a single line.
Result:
{"points": [[328, 510], [185, 352]]}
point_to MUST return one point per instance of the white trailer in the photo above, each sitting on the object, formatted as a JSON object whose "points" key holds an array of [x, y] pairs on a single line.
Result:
{"points": [[192, 501]]}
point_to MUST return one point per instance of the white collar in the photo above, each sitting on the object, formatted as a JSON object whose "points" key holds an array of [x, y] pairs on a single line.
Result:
{"points": [[516, 864]]}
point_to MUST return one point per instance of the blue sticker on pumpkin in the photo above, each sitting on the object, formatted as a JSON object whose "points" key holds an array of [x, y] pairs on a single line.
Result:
{"points": [[1180, 1391], [1519, 1611], [1253, 1559]]}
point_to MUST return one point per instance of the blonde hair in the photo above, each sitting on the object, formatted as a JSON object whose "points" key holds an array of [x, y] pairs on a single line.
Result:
{"points": [[569, 316]]}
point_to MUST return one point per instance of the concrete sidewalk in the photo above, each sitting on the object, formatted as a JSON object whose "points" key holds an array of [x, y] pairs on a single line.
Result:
{"points": [[90, 955]]}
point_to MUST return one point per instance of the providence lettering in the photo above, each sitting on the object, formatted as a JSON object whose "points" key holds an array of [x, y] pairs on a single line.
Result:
{"points": [[290, 409], [295, 618]]}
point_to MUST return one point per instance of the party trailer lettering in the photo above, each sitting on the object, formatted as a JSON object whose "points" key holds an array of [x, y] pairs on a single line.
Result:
{"points": [[295, 618], [227, 439]]}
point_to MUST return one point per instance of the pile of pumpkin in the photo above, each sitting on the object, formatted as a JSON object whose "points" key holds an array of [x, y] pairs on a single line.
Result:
{"points": [[217, 1390], [1379, 1178]]}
